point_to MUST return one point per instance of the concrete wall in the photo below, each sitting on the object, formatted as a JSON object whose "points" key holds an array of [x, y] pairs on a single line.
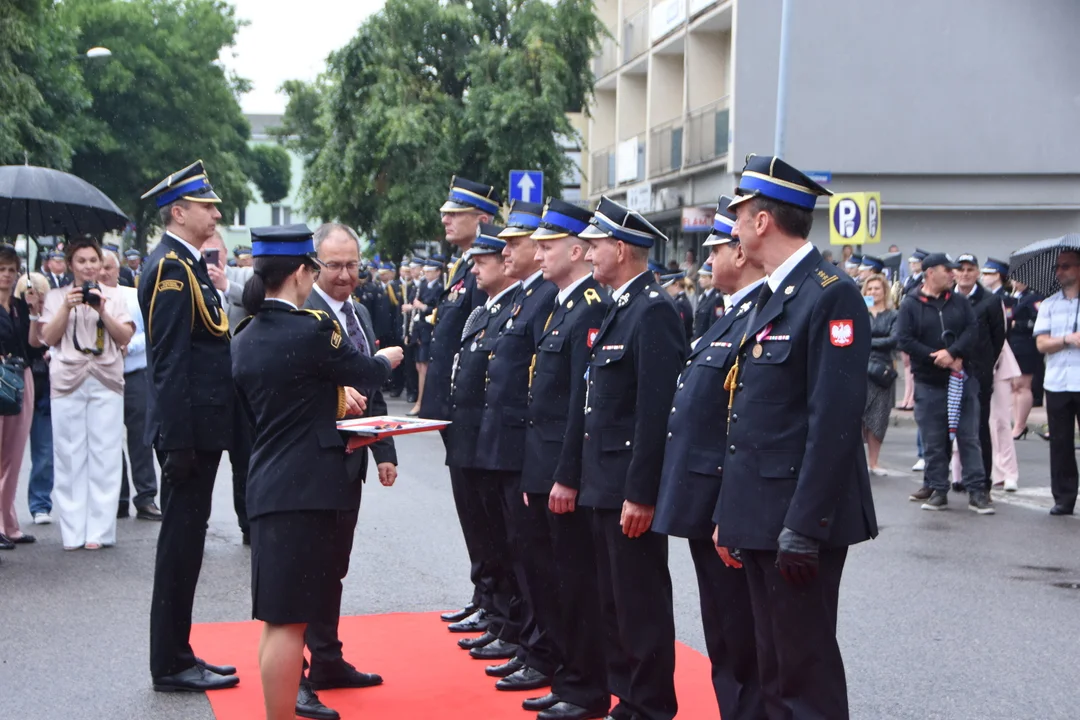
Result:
{"points": [[914, 86], [665, 88], [631, 101], [707, 67]]}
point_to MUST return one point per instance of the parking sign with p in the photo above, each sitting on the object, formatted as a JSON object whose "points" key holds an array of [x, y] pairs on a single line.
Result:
{"points": [[855, 218]]}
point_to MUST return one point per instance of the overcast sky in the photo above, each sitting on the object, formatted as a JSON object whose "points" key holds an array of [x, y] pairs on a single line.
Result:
{"points": [[288, 40]]}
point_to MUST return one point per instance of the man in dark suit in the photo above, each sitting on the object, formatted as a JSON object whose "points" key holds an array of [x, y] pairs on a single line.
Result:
{"points": [[189, 417], [693, 468], [500, 453], [635, 361], [710, 304], [338, 248], [556, 534], [990, 314], [796, 490], [468, 204], [56, 270], [480, 498]]}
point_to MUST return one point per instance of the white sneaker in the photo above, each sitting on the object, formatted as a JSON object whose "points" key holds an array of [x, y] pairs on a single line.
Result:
{"points": [[919, 466], [42, 519], [1011, 486]]}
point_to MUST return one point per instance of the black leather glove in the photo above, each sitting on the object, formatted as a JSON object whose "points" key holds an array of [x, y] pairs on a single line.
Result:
{"points": [[797, 557], [179, 465]]}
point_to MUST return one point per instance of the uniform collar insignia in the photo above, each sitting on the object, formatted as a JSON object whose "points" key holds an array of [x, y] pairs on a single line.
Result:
{"points": [[745, 306], [623, 299], [789, 289]]}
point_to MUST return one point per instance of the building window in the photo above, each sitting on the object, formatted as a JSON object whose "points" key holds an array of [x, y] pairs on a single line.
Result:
{"points": [[241, 217], [280, 215]]}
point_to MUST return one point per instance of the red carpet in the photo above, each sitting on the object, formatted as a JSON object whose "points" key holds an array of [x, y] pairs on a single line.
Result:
{"points": [[426, 676]]}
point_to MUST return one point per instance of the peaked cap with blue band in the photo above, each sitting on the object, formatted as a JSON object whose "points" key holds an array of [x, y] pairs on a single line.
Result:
{"points": [[524, 218], [612, 220], [562, 219], [706, 269], [466, 196], [190, 183], [853, 261], [771, 177], [241, 250], [132, 253], [993, 265], [487, 242], [283, 240], [918, 255], [666, 280], [872, 263], [723, 223], [657, 268]]}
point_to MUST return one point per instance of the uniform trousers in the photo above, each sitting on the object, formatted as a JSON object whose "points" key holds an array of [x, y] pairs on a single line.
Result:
{"points": [[481, 597], [185, 507], [322, 638], [1062, 413], [577, 623], [530, 543], [799, 661], [141, 455], [14, 432], [727, 619], [635, 594], [483, 521], [239, 459], [88, 436]]}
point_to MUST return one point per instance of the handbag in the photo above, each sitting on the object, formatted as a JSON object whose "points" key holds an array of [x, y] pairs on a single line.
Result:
{"points": [[12, 385], [881, 373]]}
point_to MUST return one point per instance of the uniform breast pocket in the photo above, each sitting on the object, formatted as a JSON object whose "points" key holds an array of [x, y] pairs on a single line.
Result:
{"points": [[551, 344], [772, 352], [608, 355], [779, 465], [484, 344]]}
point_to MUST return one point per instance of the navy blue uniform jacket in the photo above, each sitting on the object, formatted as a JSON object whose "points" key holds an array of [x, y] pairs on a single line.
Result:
{"points": [[288, 365], [635, 362], [556, 414], [468, 390], [795, 454], [697, 430], [458, 298], [709, 309], [189, 403], [506, 403]]}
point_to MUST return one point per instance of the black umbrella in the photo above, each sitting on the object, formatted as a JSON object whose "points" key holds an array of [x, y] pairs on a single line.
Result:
{"points": [[1034, 265], [38, 201]]}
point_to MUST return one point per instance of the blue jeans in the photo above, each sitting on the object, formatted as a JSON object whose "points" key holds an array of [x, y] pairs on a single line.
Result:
{"points": [[40, 487], [932, 417]]}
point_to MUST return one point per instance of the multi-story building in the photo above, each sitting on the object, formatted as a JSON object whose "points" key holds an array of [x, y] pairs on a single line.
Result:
{"points": [[962, 114]]}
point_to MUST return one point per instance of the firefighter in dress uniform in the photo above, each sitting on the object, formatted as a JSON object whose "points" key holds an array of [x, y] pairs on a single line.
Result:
{"points": [[693, 471], [635, 362], [796, 490], [711, 303]]}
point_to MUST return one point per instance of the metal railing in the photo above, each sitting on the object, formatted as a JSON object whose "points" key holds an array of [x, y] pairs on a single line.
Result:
{"points": [[666, 147], [602, 170], [607, 59], [708, 132], [635, 35]]}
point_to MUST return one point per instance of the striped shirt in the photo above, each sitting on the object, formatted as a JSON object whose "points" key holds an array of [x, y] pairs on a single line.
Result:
{"points": [[1059, 316]]}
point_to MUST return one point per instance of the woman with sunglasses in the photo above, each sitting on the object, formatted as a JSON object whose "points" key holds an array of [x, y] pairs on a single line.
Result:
{"points": [[295, 370]]}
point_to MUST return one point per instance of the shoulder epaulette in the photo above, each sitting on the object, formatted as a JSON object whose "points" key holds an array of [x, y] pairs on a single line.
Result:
{"points": [[242, 324], [826, 279], [317, 314]]}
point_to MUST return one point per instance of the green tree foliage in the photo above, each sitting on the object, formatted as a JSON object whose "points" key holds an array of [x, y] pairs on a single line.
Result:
{"points": [[271, 169], [427, 89], [41, 91], [161, 101]]}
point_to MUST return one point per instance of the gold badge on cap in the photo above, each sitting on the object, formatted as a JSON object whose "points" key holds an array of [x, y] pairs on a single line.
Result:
{"points": [[757, 350]]}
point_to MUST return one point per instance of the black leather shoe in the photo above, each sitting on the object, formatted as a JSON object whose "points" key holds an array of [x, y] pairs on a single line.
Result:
{"points": [[458, 615], [148, 512], [507, 668], [526, 678], [568, 711], [24, 539], [308, 705], [246, 538], [410, 397], [1058, 509], [395, 393], [475, 642], [494, 650], [540, 703], [195, 679], [477, 622], [345, 676], [218, 669]]}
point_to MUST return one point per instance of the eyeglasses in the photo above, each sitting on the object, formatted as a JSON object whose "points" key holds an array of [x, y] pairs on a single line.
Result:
{"points": [[336, 267]]}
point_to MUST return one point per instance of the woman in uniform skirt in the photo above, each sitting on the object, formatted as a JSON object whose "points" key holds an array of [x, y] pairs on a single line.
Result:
{"points": [[295, 370]]}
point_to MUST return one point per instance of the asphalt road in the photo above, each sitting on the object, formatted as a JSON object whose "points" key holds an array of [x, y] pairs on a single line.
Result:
{"points": [[946, 615]]}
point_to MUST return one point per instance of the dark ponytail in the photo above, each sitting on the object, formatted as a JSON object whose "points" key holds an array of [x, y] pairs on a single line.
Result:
{"points": [[271, 272]]}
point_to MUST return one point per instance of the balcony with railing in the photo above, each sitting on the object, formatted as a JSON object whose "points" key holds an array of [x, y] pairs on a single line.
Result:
{"points": [[602, 170], [666, 148], [635, 35], [708, 132], [607, 59]]}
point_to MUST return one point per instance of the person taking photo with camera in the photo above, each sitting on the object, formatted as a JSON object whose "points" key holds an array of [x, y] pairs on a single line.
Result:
{"points": [[85, 324]]}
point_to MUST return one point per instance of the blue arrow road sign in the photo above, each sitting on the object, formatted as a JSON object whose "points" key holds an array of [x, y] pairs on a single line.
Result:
{"points": [[527, 185]]}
